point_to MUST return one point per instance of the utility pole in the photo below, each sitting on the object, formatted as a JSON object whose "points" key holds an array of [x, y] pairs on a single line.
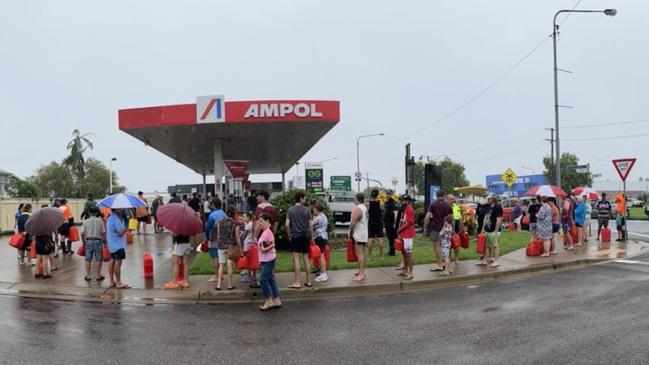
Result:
{"points": [[551, 140]]}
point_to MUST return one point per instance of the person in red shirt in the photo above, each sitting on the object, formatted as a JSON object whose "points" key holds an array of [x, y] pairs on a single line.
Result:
{"points": [[407, 234]]}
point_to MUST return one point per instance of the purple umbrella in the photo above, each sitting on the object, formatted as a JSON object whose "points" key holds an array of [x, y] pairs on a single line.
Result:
{"points": [[45, 221]]}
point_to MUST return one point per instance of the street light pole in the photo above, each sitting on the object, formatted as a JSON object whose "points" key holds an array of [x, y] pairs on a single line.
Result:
{"points": [[358, 160], [110, 175], [555, 28]]}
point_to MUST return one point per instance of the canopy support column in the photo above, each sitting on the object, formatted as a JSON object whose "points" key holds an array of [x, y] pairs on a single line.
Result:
{"points": [[219, 169]]}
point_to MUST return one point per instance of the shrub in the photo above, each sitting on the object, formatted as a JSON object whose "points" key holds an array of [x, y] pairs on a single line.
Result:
{"points": [[286, 200], [420, 214]]}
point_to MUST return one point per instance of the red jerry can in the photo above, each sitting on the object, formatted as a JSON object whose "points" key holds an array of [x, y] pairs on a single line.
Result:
{"points": [[181, 270], [253, 257], [464, 239], [316, 261], [482, 242], [455, 241], [148, 266], [606, 234], [351, 254]]}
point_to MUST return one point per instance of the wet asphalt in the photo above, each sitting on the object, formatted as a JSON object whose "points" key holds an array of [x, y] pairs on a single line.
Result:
{"points": [[587, 316]]}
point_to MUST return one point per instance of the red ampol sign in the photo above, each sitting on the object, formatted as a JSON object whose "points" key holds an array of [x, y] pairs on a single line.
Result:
{"points": [[282, 111]]}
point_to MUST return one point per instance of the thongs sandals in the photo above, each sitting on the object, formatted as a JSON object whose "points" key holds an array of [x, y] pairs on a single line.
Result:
{"points": [[87, 278], [232, 288], [124, 286], [359, 278], [295, 286], [308, 285], [100, 278], [265, 307]]}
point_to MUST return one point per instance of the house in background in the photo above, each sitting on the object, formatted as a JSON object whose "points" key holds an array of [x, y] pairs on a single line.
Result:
{"points": [[5, 178]]}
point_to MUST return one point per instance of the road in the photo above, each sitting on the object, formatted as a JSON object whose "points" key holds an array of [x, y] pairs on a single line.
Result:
{"points": [[587, 316]]}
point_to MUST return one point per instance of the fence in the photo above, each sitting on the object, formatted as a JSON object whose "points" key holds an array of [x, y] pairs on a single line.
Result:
{"points": [[8, 209]]}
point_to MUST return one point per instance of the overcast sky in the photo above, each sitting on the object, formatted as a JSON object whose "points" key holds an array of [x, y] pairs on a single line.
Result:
{"points": [[397, 67]]}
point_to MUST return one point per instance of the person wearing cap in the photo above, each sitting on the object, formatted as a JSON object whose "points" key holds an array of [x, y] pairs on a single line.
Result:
{"points": [[389, 220], [532, 210], [93, 234], [407, 233]]}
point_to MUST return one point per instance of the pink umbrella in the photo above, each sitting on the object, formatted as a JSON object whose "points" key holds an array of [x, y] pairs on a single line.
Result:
{"points": [[546, 190], [180, 219], [586, 191]]}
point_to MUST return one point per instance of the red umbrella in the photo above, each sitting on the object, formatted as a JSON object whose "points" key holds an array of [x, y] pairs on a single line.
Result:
{"points": [[45, 221], [180, 219], [586, 191], [546, 190]]}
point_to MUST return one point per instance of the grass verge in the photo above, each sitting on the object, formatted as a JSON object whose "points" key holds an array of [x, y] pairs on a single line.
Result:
{"points": [[423, 254]]}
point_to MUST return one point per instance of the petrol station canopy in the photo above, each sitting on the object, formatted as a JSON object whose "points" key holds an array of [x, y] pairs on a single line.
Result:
{"points": [[272, 135]]}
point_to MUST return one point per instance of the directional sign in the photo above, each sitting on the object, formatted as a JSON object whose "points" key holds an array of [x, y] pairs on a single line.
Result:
{"points": [[623, 166], [509, 177], [341, 183]]}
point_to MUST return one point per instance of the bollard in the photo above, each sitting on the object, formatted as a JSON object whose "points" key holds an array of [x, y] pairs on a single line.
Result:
{"points": [[148, 266]]}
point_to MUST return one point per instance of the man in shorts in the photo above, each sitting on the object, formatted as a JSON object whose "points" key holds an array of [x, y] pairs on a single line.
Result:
{"points": [[93, 234], [603, 208], [299, 234], [493, 221], [116, 238], [407, 234], [433, 224], [142, 215]]}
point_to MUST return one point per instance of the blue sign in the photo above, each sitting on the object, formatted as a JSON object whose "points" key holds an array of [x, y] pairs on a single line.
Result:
{"points": [[432, 192], [520, 187]]}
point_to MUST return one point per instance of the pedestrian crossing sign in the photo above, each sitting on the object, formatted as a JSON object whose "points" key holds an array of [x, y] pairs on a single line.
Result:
{"points": [[509, 177]]}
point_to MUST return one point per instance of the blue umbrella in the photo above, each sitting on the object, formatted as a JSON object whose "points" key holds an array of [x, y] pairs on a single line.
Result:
{"points": [[121, 201]]}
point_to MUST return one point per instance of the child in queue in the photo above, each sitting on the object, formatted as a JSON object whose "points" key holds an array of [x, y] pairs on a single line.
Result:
{"points": [[267, 256], [445, 235]]}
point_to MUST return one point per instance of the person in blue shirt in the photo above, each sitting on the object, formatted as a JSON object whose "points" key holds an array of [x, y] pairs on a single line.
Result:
{"points": [[580, 218], [216, 215], [116, 239]]}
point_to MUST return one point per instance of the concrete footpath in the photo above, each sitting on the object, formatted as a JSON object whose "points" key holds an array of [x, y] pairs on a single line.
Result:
{"points": [[68, 283]]}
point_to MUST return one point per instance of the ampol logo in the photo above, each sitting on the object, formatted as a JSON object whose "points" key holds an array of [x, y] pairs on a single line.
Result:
{"points": [[210, 109]]}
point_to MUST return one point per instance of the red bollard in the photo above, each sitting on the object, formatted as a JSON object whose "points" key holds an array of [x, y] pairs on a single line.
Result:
{"points": [[148, 266]]}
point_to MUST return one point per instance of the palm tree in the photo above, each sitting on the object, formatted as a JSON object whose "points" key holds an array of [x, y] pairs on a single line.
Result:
{"points": [[75, 161]]}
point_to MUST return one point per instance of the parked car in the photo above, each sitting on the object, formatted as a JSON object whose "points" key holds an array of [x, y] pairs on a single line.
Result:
{"points": [[635, 203]]}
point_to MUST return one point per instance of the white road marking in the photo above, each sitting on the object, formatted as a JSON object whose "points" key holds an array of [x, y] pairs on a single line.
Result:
{"points": [[638, 234], [631, 262]]}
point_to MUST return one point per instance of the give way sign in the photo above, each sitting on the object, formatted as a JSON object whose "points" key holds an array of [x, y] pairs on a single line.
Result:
{"points": [[623, 166]]}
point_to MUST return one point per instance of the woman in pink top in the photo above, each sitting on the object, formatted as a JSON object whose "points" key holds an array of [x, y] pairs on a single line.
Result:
{"points": [[267, 256]]}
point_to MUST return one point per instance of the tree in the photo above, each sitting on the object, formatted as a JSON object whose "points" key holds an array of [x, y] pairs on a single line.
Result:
{"points": [[286, 200], [75, 161], [22, 189], [569, 178], [53, 180], [96, 181], [453, 176]]}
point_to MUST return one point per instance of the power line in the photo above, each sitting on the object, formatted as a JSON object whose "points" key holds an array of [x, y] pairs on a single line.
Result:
{"points": [[606, 138], [484, 90], [607, 124]]}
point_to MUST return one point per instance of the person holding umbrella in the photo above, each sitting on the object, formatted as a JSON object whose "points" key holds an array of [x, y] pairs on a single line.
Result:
{"points": [[116, 239], [183, 222], [41, 225]]}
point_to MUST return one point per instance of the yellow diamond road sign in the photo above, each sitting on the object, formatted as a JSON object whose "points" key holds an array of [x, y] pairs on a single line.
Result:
{"points": [[509, 177]]}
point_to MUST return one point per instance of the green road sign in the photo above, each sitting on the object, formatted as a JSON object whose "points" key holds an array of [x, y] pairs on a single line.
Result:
{"points": [[341, 183]]}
